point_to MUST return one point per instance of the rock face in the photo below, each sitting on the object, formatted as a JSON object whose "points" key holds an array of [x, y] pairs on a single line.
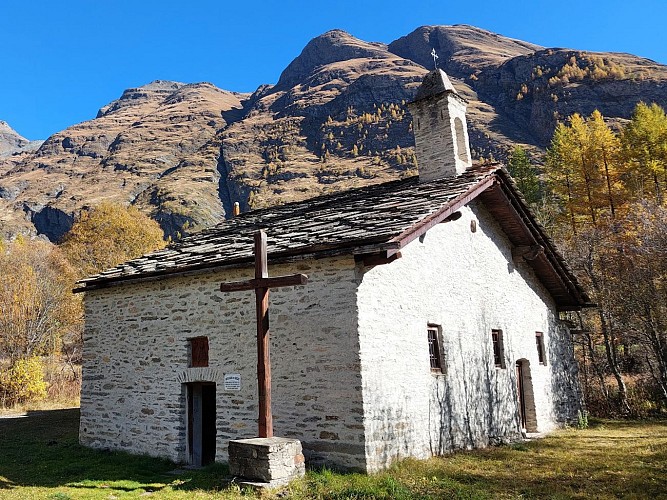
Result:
{"points": [[337, 118], [331, 47], [156, 147], [540, 88], [12, 143], [462, 50]]}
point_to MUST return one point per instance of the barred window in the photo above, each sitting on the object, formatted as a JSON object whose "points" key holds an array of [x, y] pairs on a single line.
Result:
{"points": [[434, 350], [498, 350]]}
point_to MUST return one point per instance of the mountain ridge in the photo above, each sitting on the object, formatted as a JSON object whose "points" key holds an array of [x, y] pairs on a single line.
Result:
{"points": [[11, 142], [335, 119]]}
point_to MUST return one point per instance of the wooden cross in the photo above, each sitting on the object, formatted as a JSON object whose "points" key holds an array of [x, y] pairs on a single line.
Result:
{"points": [[261, 284], [435, 58]]}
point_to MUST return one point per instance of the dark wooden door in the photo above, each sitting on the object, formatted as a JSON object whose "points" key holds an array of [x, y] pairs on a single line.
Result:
{"points": [[522, 393], [201, 423]]}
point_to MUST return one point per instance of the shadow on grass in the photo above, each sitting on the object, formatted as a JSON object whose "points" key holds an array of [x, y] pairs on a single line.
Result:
{"points": [[42, 450]]}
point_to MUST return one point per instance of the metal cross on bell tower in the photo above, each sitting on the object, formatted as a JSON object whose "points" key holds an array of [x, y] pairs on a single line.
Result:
{"points": [[435, 58]]}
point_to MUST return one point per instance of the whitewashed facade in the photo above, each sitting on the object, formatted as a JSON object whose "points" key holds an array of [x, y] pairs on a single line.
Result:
{"points": [[466, 284]]}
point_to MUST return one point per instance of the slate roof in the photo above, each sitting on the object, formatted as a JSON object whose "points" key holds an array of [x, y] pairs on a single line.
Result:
{"points": [[436, 82], [372, 220]]}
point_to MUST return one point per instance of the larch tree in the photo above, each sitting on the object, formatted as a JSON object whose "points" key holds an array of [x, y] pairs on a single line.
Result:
{"points": [[640, 287], [109, 234], [592, 252], [560, 173], [582, 170], [644, 142], [605, 148], [613, 189]]}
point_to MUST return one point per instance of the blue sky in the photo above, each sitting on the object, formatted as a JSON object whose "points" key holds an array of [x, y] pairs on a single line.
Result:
{"points": [[61, 61]]}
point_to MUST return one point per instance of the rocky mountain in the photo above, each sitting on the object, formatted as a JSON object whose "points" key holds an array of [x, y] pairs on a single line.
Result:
{"points": [[157, 147], [548, 85], [336, 118], [12, 143], [462, 50]]}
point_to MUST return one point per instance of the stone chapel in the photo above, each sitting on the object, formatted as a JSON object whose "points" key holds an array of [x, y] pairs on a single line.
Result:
{"points": [[430, 321]]}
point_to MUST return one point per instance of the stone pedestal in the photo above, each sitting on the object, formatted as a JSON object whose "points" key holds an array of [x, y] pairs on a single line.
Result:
{"points": [[266, 461]]}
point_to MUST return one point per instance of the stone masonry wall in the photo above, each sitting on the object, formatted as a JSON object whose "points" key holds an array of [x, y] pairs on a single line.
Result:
{"points": [[136, 363], [466, 283], [442, 148]]}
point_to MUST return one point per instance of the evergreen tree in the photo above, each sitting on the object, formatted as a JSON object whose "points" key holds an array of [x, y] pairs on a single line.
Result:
{"points": [[525, 175]]}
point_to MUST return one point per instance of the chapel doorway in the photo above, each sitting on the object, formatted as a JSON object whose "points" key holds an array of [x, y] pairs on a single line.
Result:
{"points": [[201, 423], [526, 396]]}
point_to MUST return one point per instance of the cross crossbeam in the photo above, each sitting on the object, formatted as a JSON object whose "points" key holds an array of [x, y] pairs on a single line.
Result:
{"points": [[252, 284], [262, 283]]}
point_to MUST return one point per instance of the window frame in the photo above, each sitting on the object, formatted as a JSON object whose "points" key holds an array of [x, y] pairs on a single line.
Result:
{"points": [[434, 339], [197, 345], [498, 348], [541, 351]]}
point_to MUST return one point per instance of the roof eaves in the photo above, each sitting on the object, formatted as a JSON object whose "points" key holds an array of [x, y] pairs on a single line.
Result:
{"points": [[365, 246], [556, 260]]}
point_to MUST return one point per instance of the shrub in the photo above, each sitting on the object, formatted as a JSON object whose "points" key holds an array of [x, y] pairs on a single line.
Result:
{"points": [[23, 382]]}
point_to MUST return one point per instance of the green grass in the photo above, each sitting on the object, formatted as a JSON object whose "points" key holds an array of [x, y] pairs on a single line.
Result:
{"points": [[40, 459]]}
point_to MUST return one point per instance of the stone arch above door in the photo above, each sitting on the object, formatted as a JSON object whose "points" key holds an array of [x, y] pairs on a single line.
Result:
{"points": [[204, 374]]}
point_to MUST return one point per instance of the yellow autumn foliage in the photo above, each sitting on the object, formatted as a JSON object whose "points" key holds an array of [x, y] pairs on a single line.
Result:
{"points": [[22, 382], [108, 235], [37, 307]]}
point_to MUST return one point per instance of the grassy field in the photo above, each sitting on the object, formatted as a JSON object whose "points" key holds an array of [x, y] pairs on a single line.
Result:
{"points": [[40, 459]]}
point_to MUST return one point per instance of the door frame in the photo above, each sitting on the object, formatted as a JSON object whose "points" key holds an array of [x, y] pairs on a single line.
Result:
{"points": [[201, 399], [525, 396]]}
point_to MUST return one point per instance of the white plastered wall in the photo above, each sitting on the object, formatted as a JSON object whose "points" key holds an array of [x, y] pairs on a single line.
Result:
{"points": [[465, 282]]}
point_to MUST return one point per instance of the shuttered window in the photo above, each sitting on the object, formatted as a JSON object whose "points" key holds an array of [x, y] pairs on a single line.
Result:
{"points": [[199, 351]]}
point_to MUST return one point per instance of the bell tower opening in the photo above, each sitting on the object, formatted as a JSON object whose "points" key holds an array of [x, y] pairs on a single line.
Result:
{"points": [[461, 146]]}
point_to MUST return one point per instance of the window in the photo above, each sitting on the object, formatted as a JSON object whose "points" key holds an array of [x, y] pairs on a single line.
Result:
{"points": [[199, 351], [434, 351], [539, 341], [498, 351]]}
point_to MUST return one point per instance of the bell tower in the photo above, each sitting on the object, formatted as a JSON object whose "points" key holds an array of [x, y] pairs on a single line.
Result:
{"points": [[440, 128]]}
